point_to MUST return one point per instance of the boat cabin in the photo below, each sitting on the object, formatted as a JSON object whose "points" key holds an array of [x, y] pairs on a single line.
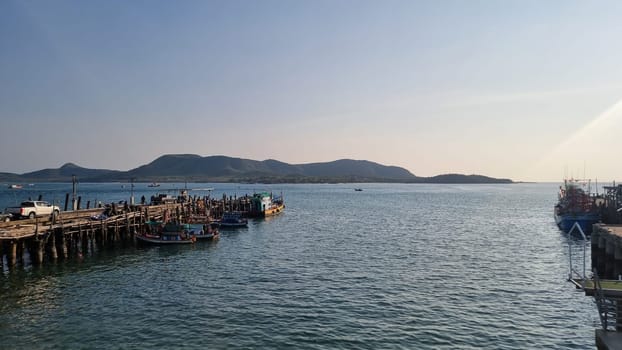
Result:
{"points": [[261, 202], [163, 199]]}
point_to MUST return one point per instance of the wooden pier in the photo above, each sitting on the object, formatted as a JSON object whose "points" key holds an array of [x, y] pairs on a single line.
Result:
{"points": [[74, 233], [80, 232]]}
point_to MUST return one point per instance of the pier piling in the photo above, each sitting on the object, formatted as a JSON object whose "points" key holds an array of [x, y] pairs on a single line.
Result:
{"points": [[75, 232], [12, 253]]}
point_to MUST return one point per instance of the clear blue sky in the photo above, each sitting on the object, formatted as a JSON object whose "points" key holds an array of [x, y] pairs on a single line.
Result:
{"points": [[520, 89]]}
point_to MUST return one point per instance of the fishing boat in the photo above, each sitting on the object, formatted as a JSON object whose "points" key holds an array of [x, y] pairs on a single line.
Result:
{"points": [[233, 219], [264, 204], [170, 233], [358, 189], [576, 205], [153, 184], [166, 238], [163, 198], [203, 231], [16, 187]]}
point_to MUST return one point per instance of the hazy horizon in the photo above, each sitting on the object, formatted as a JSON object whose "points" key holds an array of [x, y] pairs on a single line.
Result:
{"points": [[525, 90]]}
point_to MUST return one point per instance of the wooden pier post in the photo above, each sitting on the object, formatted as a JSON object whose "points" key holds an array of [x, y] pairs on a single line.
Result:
{"points": [[12, 253], [30, 246], [102, 235], [66, 201], [85, 241], [116, 231], [63, 242], [92, 240], [79, 238], [39, 246], [127, 227], [75, 243], [20, 251], [52, 243]]}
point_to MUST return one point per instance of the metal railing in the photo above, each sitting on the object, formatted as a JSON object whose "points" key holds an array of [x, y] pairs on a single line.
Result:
{"points": [[607, 307], [572, 271]]}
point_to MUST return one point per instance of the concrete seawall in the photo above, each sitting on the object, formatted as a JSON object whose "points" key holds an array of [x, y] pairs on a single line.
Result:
{"points": [[606, 247], [607, 251]]}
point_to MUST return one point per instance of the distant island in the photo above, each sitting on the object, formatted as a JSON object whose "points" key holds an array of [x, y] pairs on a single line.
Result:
{"points": [[195, 168]]}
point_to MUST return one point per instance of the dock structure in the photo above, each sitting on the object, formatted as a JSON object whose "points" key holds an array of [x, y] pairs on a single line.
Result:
{"points": [[605, 284], [606, 242], [84, 231], [77, 232]]}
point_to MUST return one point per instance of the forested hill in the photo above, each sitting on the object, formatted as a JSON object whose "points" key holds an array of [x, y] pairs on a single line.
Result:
{"points": [[194, 168]]}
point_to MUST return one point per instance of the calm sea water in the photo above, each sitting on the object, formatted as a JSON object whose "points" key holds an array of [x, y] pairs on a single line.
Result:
{"points": [[391, 267]]}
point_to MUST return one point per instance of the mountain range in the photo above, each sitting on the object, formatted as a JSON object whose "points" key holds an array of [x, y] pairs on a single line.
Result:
{"points": [[195, 168]]}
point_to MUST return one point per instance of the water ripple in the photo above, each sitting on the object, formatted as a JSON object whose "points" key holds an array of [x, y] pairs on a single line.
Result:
{"points": [[392, 267]]}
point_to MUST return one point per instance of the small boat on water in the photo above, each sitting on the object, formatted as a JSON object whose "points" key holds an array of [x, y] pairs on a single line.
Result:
{"points": [[166, 238], [16, 187], [358, 189], [209, 189], [203, 231], [170, 233], [233, 219], [153, 184], [576, 205], [163, 198]]}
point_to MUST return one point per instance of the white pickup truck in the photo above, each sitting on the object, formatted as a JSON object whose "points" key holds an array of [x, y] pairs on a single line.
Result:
{"points": [[30, 209]]}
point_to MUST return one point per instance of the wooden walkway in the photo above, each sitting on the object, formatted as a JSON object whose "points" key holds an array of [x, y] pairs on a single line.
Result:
{"points": [[71, 220], [610, 288], [615, 230], [77, 232]]}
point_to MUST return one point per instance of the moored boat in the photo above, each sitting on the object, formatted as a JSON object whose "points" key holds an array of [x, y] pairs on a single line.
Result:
{"points": [[264, 204], [169, 233], [153, 184], [233, 219], [166, 238], [16, 187], [203, 231], [576, 205]]}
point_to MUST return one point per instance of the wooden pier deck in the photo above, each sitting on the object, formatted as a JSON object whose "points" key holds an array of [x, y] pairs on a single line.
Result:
{"points": [[612, 288], [70, 220], [77, 232]]}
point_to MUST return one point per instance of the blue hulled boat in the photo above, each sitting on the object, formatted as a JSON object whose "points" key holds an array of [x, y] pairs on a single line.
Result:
{"points": [[576, 205], [176, 233], [232, 220], [165, 233], [202, 231]]}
